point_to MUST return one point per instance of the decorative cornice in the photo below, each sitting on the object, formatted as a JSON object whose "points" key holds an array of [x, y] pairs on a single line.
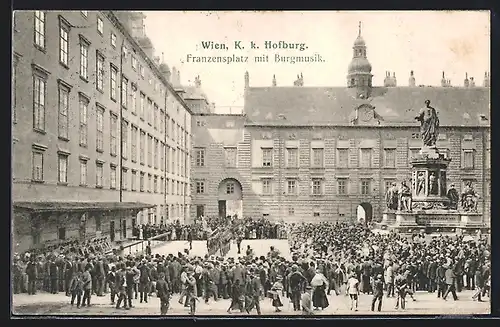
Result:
{"points": [[40, 147], [84, 39], [65, 84], [83, 95], [40, 69], [63, 151]]}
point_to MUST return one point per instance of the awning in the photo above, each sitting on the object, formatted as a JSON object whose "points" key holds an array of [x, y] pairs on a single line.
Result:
{"points": [[80, 206]]}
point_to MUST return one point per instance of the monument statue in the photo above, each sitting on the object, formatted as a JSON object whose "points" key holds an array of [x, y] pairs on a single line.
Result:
{"points": [[405, 199], [433, 184], [420, 191], [391, 197], [469, 198], [452, 195], [429, 124]]}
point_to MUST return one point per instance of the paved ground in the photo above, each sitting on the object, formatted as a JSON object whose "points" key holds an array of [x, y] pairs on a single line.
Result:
{"points": [[261, 247], [58, 304]]}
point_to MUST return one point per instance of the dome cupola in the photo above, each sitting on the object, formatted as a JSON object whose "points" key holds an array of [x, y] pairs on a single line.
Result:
{"points": [[359, 70]]}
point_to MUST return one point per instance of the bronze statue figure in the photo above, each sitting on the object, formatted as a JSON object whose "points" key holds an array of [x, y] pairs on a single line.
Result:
{"points": [[429, 124], [405, 199], [453, 197], [391, 197], [469, 198]]}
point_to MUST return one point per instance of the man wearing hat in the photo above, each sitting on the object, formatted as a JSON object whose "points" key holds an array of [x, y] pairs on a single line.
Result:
{"points": [[378, 292], [163, 292], [252, 292], [296, 280], [306, 302]]}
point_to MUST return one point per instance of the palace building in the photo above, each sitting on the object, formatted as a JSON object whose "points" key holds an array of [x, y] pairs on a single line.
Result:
{"points": [[301, 153], [101, 133]]}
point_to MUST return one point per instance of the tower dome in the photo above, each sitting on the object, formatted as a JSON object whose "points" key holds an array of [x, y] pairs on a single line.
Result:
{"points": [[359, 41], [359, 70], [359, 65]]}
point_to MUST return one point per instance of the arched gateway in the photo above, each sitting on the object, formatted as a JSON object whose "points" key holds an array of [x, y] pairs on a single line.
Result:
{"points": [[230, 198], [364, 212]]}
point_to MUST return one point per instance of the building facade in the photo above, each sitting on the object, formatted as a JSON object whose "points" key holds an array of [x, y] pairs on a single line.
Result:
{"points": [[303, 153], [101, 139]]}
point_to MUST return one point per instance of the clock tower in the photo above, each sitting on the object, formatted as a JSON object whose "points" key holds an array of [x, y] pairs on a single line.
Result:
{"points": [[359, 75]]}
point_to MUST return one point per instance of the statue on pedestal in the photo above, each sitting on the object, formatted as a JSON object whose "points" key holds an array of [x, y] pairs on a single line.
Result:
{"points": [[405, 199], [429, 124], [469, 198], [420, 191], [433, 184], [452, 195], [391, 197]]}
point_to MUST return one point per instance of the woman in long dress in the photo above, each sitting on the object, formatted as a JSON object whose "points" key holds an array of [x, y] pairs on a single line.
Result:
{"points": [[276, 290], [319, 284]]}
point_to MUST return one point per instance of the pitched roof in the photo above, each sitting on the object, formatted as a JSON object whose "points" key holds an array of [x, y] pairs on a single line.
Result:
{"points": [[194, 93], [456, 106]]}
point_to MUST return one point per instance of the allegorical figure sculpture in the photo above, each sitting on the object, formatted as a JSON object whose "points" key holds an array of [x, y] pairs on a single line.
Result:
{"points": [[469, 198], [405, 200], [429, 124], [420, 191], [391, 197], [433, 184], [453, 197]]}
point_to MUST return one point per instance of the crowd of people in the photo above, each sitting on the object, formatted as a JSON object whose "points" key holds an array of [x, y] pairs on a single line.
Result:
{"points": [[326, 258]]}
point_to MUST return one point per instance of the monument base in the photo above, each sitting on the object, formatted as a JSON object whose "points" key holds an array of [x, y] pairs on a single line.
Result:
{"points": [[439, 221], [388, 218]]}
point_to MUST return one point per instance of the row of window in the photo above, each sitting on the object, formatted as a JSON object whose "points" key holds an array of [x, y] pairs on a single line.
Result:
{"points": [[147, 182], [200, 187], [317, 157], [154, 116], [148, 216]]}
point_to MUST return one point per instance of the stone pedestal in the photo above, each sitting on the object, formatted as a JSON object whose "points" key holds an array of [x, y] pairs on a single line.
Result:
{"points": [[388, 218], [471, 220], [428, 182], [405, 219]]}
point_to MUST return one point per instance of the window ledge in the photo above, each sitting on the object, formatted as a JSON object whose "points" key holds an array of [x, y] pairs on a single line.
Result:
{"points": [[83, 185], [99, 150], [62, 183], [64, 65], [112, 188], [98, 186], [62, 138], [113, 154], [112, 99], [39, 48], [84, 79], [39, 131], [133, 113], [100, 90], [37, 181], [83, 145]]}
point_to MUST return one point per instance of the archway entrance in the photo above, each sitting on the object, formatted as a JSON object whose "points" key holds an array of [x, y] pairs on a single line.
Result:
{"points": [[230, 198], [364, 213]]}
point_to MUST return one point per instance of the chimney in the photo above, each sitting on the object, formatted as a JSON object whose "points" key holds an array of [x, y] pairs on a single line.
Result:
{"points": [[472, 83], [301, 80], [443, 81], [247, 80], [466, 80], [197, 81], [411, 81], [274, 80], [394, 81], [386, 79], [179, 78], [486, 79], [174, 76]]}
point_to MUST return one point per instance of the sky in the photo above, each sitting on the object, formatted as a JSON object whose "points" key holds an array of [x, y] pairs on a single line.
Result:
{"points": [[427, 42]]}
